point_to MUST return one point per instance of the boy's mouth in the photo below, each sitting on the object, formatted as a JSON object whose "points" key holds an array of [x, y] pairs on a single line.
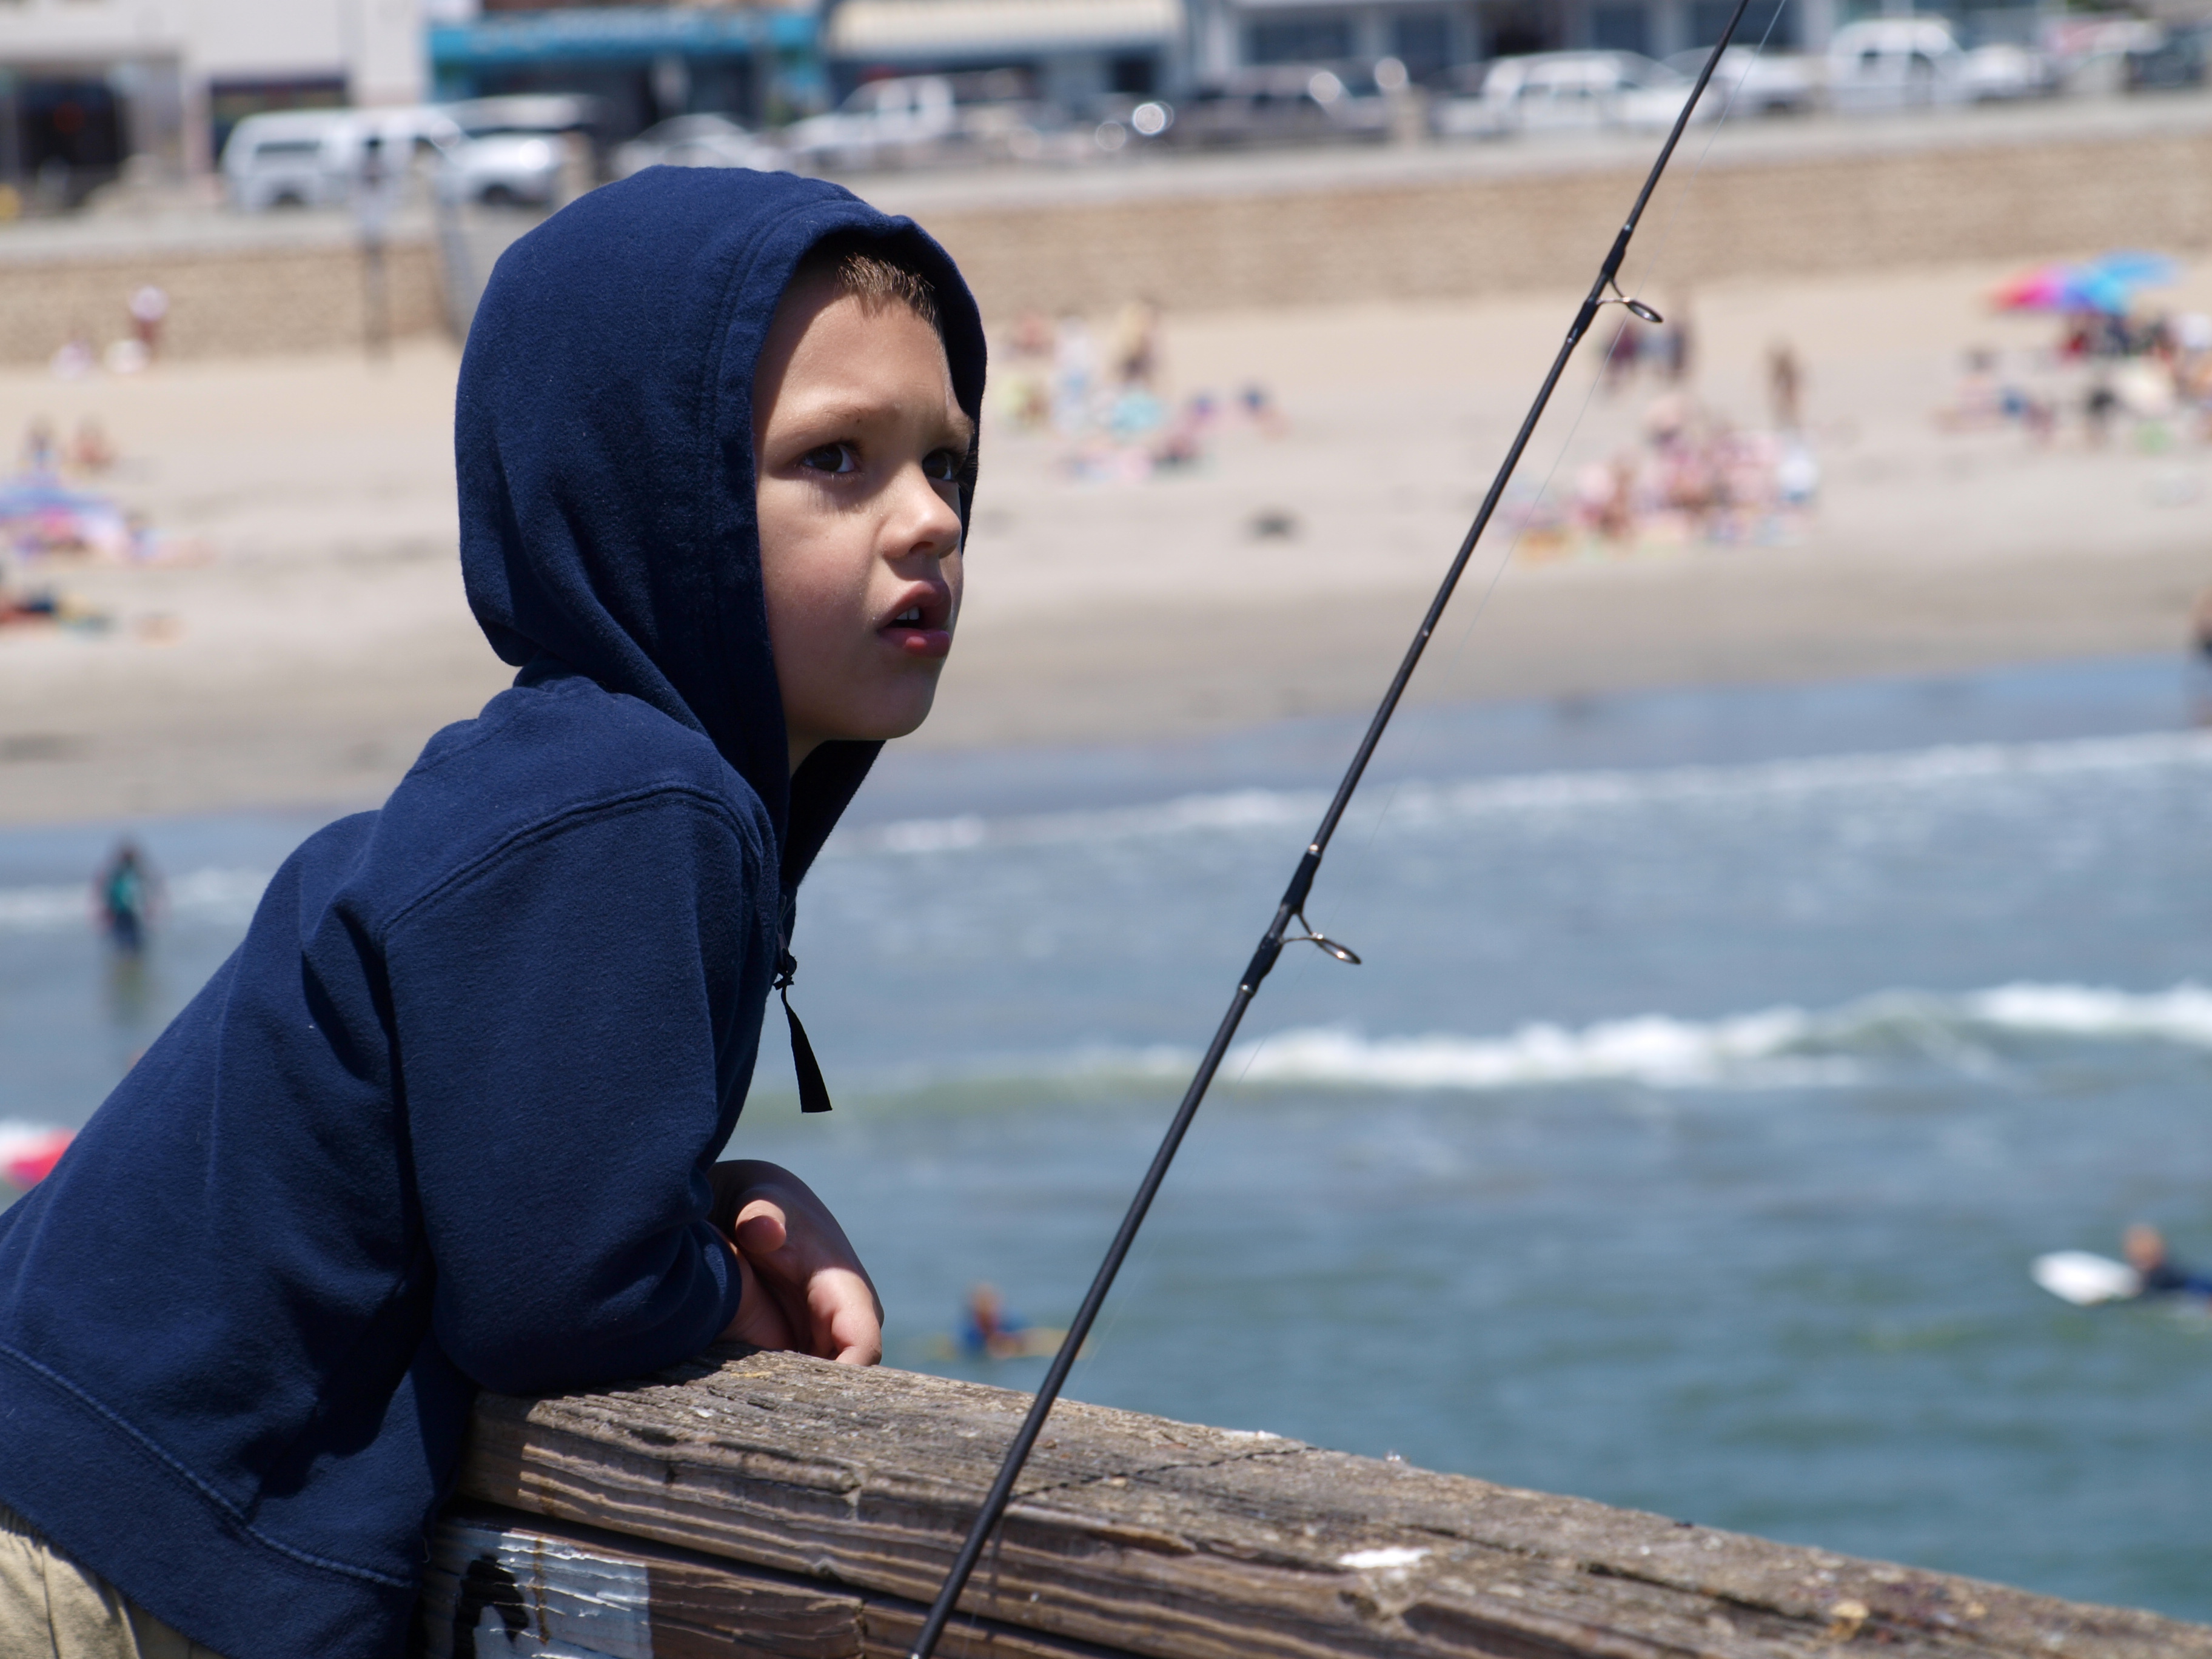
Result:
{"points": [[923, 625]]}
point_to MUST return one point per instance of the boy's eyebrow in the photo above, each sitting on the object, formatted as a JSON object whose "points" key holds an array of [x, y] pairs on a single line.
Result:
{"points": [[836, 411]]}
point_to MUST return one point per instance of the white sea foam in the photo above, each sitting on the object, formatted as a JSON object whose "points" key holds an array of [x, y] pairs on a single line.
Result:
{"points": [[35, 910], [209, 895], [2182, 1015], [1779, 1047], [1652, 1050], [1419, 801]]}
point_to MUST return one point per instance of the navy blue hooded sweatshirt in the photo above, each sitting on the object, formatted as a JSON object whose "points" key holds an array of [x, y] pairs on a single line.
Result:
{"points": [[443, 1122]]}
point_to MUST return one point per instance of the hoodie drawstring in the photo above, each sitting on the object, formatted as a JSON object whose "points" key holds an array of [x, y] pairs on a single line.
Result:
{"points": [[813, 1093]]}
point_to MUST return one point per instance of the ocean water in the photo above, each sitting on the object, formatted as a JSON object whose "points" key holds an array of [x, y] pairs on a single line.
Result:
{"points": [[1719, 1062]]}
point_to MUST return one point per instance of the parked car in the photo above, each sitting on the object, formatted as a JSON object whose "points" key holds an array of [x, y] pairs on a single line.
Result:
{"points": [[2001, 71], [296, 159], [913, 118], [1749, 81], [698, 140], [513, 151], [524, 113], [313, 157], [1549, 91], [1290, 103], [506, 169], [1905, 63], [2178, 60], [2092, 55]]}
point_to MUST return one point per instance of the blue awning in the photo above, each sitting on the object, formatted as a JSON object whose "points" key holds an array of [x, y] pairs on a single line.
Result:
{"points": [[638, 33]]}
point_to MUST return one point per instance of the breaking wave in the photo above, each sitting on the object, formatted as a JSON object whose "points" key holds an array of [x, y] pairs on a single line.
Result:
{"points": [[1781, 1048], [1774, 1047], [1760, 1049]]}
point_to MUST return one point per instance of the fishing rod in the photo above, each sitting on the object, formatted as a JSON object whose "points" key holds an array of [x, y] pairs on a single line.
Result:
{"points": [[1293, 904]]}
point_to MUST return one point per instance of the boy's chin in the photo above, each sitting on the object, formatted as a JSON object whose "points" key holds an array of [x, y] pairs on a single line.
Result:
{"points": [[883, 726]]}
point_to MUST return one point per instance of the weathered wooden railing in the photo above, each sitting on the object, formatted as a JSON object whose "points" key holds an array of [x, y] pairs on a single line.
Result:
{"points": [[767, 1504]]}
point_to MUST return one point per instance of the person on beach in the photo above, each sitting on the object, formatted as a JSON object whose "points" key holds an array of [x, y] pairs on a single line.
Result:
{"points": [[125, 895], [448, 1119]]}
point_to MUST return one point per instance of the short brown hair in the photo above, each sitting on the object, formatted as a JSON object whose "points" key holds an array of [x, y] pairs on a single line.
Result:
{"points": [[874, 272]]}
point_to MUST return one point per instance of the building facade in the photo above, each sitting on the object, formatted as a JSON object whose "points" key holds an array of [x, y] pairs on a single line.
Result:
{"points": [[86, 85], [1433, 37], [1069, 48], [1072, 52], [643, 62]]}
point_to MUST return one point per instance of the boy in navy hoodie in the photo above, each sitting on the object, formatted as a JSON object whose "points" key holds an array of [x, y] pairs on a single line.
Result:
{"points": [[448, 1117]]}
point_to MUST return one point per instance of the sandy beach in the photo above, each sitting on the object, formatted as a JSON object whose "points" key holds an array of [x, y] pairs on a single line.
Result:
{"points": [[310, 632]]}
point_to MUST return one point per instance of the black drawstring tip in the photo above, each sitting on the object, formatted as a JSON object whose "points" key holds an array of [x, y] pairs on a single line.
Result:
{"points": [[813, 1092]]}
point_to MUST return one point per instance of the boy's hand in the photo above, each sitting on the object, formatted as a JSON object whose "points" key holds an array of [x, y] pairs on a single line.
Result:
{"points": [[804, 1288]]}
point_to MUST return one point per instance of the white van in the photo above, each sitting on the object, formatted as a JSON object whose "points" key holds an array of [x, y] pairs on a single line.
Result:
{"points": [[311, 158]]}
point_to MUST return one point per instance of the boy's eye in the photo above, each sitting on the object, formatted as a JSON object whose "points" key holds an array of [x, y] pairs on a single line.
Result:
{"points": [[941, 467], [830, 457]]}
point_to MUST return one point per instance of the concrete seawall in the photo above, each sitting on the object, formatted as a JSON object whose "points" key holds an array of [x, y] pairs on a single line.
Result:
{"points": [[236, 289], [1217, 233], [1772, 197]]}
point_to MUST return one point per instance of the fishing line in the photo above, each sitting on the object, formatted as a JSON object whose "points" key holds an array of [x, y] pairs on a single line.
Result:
{"points": [[1498, 570], [1363, 874], [1665, 231], [1604, 291], [1651, 266]]}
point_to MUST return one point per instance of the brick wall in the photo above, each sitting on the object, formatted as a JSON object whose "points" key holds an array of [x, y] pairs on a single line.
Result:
{"points": [[236, 302], [1435, 237], [1457, 237]]}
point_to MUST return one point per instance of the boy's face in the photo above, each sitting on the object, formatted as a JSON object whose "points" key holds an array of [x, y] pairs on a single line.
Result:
{"points": [[859, 442]]}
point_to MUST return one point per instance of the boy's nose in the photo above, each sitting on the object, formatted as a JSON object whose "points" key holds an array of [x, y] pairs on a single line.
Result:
{"points": [[928, 523]]}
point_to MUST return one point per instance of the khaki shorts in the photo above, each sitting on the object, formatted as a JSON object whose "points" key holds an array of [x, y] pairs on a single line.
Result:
{"points": [[52, 1609]]}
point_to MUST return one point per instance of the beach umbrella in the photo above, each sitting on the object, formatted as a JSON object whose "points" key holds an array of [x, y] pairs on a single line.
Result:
{"points": [[2040, 290], [2137, 270], [40, 514], [2107, 283]]}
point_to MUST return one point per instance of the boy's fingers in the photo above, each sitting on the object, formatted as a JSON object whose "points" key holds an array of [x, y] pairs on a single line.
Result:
{"points": [[760, 1319], [782, 1265], [760, 1228], [802, 1260], [845, 1310]]}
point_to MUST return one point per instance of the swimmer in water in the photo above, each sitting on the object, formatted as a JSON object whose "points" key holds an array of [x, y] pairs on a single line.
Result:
{"points": [[2161, 1275], [990, 1332]]}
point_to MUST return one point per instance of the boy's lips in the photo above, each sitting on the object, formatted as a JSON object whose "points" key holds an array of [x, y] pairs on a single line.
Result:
{"points": [[922, 625]]}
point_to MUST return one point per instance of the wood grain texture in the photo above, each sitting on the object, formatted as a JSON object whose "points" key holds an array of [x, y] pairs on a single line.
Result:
{"points": [[504, 1586], [1145, 1536]]}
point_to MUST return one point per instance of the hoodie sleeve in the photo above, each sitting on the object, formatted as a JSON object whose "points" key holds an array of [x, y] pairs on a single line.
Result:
{"points": [[557, 1014]]}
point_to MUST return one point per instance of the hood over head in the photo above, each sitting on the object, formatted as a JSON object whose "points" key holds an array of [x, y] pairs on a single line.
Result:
{"points": [[603, 446]]}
